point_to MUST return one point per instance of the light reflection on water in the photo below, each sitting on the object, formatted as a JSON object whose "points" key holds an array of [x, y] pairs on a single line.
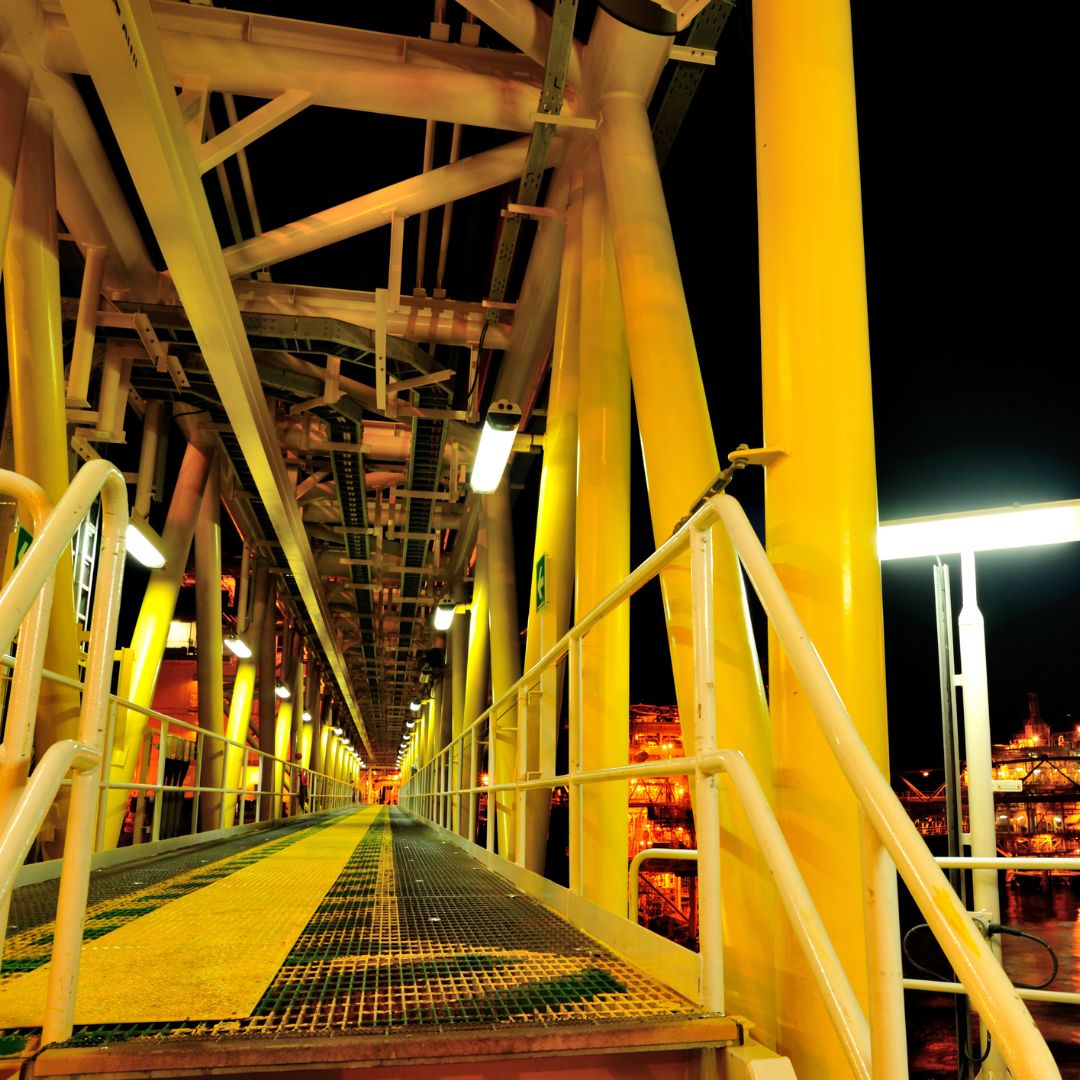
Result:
{"points": [[1052, 915]]}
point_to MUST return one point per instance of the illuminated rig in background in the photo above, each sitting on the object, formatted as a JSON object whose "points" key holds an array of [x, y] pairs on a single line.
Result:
{"points": [[1036, 797]]}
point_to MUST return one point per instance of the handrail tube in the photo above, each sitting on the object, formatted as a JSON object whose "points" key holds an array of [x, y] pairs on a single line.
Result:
{"points": [[1021, 1044], [814, 941], [1060, 997], [1006, 862], [30, 812], [676, 853], [93, 479]]}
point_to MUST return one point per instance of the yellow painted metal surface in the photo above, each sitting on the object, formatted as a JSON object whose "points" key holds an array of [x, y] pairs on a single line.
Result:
{"points": [[14, 92], [821, 499], [558, 487], [680, 461], [241, 927], [477, 681], [36, 371], [152, 629], [603, 548]]}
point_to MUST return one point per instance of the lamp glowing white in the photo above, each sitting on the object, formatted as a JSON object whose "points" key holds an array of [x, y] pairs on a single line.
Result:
{"points": [[982, 530], [306, 716], [238, 647], [144, 545], [496, 442], [414, 705], [283, 692], [444, 615]]}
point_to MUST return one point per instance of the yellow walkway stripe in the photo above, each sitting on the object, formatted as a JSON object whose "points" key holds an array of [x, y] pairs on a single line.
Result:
{"points": [[206, 956]]}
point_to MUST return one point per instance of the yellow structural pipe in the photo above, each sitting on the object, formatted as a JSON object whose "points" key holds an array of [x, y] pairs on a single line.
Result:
{"points": [[243, 692], [459, 645], [680, 458], [821, 497], [283, 739], [476, 679], [39, 432], [602, 548], [557, 500], [211, 691], [505, 650], [14, 94], [152, 628], [268, 701]]}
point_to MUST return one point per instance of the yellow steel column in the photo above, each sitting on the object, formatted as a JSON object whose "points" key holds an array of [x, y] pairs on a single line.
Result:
{"points": [[152, 626], [283, 733], [680, 462], [243, 694], [476, 675], [268, 702], [459, 643], [603, 548], [36, 374], [821, 499], [505, 650], [557, 500], [14, 92], [208, 636]]}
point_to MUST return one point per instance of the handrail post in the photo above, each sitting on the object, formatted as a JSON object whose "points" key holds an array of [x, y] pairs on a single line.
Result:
{"points": [[522, 770], [200, 744], [577, 811], [258, 784], [159, 782], [106, 776], [707, 801], [493, 778]]}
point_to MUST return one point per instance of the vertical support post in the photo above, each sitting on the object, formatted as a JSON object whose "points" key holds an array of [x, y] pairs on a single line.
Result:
{"points": [[982, 824], [505, 654], [159, 782], [152, 625], [210, 772], [459, 646], [522, 797], [36, 387], [476, 675], [82, 347], [707, 806], [577, 791], [603, 555], [196, 796], [152, 432], [821, 498], [106, 758], [680, 457], [268, 659], [14, 95]]}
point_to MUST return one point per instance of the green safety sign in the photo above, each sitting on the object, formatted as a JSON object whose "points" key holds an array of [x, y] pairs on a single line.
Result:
{"points": [[541, 582], [22, 544]]}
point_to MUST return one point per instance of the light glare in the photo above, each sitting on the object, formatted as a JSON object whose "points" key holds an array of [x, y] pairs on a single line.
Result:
{"points": [[283, 692], [491, 457], [444, 616], [983, 530], [238, 647], [142, 546]]}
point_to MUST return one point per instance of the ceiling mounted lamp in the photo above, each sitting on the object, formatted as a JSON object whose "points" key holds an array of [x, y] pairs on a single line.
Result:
{"points": [[444, 615], [496, 442], [237, 646], [306, 716], [283, 692], [410, 723], [144, 545], [337, 730], [415, 704]]}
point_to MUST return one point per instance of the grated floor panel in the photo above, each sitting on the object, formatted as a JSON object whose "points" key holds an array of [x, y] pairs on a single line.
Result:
{"points": [[412, 934]]}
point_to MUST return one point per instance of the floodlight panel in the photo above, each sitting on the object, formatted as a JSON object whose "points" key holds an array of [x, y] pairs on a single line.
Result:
{"points": [[983, 530]]}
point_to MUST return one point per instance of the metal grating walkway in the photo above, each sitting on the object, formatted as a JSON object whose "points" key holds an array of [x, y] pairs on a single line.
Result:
{"points": [[412, 937]]}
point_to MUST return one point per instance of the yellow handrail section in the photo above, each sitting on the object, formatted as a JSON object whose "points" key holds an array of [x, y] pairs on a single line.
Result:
{"points": [[437, 792]]}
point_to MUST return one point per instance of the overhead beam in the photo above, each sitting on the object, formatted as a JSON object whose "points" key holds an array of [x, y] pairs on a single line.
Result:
{"points": [[334, 78], [134, 85], [244, 132], [376, 209]]}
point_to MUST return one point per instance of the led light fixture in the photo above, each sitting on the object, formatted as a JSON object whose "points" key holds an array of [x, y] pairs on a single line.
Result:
{"points": [[144, 545], [496, 442], [410, 723], [337, 730], [237, 646], [444, 615], [414, 705], [982, 530], [306, 716], [283, 692]]}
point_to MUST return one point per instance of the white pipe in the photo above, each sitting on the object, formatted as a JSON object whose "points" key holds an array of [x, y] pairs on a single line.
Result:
{"points": [[457, 181], [1061, 997], [82, 346], [677, 854], [1022, 1046]]}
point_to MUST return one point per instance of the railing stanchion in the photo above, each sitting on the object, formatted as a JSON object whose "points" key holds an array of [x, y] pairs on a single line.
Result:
{"points": [[575, 792], [196, 794], [493, 778], [258, 782], [522, 772], [159, 783], [106, 776], [707, 796]]}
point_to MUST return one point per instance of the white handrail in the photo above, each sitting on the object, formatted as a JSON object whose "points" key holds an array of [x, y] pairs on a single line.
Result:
{"points": [[1022, 1046], [94, 479], [645, 855]]}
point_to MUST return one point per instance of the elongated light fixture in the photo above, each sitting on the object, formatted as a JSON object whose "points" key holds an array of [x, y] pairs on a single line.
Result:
{"points": [[496, 442], [144, 545], [306, 716], [415, 705], [982, 530], [283, 691], [444, 615], [237, 646]]}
